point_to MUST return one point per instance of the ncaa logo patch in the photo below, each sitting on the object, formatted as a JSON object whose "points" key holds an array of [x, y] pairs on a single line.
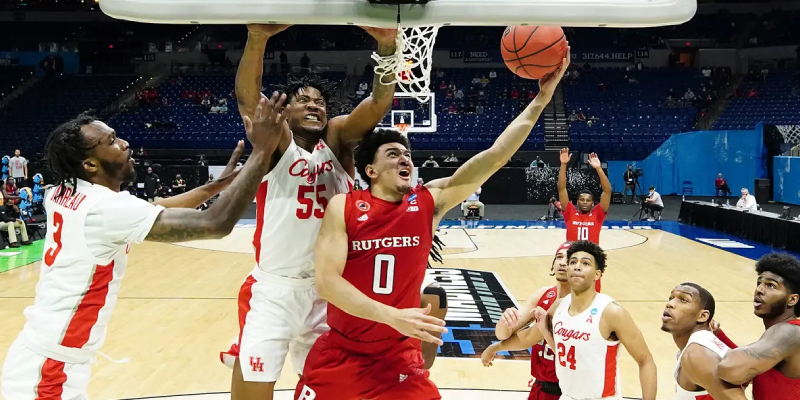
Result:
{"points": [[362, 205], [593, 312], [412, 199]]}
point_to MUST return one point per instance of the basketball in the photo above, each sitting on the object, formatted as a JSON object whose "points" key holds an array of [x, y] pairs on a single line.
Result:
{"points": [[532, 52]]}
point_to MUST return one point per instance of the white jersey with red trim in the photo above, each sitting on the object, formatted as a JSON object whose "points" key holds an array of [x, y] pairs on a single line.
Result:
{"points": [[586, 363], [90, 229], [710, 341], [291, 202]]}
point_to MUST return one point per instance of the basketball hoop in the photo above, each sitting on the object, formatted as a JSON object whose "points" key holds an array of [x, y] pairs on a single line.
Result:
{"points": [[403, 128], [410, 66]]}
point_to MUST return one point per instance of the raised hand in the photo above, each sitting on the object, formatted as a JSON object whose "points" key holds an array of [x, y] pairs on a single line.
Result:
{"points": [[594, 161], [268, 125], [549, 82], [510, 317], [564, 157], [266, 29], [416, 323], [383, 36], [230, 171]]}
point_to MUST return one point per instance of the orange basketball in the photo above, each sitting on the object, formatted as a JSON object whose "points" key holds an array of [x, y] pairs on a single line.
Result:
{"points": [[532, 52]]}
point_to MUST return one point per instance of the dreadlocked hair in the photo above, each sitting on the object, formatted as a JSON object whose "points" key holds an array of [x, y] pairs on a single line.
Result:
{"points": [[66, 149], [366, 150], [435, 251], [294, 84]]}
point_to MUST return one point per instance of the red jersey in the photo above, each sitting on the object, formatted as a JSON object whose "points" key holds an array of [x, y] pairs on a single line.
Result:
{"points": [[582, 226], [388, 247], [773, 385], [543, 366]]}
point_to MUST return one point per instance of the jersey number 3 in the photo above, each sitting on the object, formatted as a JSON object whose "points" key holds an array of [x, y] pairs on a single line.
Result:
{"points": [[308, 203], [566, 356], [52, 252], [383, 282]]}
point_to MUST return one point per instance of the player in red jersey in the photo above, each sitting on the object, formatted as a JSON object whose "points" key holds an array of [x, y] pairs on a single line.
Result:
{"points": [[543, 368], [773, 362], [370, 260], [586, 221]]}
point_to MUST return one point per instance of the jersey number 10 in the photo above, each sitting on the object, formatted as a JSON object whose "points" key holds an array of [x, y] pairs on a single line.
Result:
{"points": [[583, 233]]}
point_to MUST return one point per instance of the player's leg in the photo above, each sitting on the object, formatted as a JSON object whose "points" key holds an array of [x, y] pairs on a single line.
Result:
{"points": [[264, 339], [398, 376], [312, 327], [538, 393], [28, 376], [329, 374], [436, 296]]}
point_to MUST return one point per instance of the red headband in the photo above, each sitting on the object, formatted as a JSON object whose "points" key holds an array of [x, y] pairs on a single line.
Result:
{"points": [[564, 246]]}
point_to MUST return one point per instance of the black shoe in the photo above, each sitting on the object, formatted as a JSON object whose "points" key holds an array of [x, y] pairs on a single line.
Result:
{"points": [[14, 245], [27, 243]]}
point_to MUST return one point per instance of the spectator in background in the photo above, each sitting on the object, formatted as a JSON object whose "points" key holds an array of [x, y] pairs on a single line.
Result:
{"points": [[537, 163], [747, 201], [630, 184], [492, 74], [722, 186], [689, 95], [430, 163], [473, 201], [752, 93], [459, 94], [554, 210], [18, 168], [484, 81], [451, 158], [476, 80], [151, 184], [573, 117], [131, 188], [11, 223], [10, 193], [305, 63], [479, 109], [178, 185], [653, 203], [210, 178]]}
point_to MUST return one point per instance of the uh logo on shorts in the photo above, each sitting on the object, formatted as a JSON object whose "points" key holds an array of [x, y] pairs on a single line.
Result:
{"points": [[256, 363]]}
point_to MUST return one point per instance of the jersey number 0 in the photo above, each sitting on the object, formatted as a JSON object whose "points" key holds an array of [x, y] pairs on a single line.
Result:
{"points": [[383, 279]]}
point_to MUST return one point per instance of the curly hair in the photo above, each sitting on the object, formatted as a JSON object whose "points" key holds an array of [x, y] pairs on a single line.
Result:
{"points": [[706, 299], [586, 246], [365, 152], [294, 84], [66, 149], [785, 266]]}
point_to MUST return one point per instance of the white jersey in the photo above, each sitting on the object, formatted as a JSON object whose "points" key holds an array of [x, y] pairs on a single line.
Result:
{"points": [[586, 363], [89, 233], [291, 202], [710, 341]]}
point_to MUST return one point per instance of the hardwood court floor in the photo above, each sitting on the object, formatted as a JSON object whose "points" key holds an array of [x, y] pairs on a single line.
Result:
{"points": [[177, 307]]}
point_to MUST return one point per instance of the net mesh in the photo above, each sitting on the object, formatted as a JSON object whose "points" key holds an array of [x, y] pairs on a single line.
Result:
{"points": [[790, 133], [410, 66]]}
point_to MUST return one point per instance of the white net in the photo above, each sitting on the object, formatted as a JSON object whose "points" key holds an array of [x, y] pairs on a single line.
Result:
{"points": [[410, 66], [790, 133]]}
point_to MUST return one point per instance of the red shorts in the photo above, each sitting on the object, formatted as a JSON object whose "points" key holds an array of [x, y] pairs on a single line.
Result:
{"points": [[538, 394], [333, 372]]}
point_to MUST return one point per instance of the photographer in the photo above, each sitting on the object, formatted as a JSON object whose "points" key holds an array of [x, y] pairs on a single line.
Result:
{"points": [[629, 177], [652, 203], [554, 210]]}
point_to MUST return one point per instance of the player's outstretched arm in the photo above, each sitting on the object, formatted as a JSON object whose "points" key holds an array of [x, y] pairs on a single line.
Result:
{"points": [[264, 132], [741, 365], [605, 198], [563, 195], [199, 195], [621, 323], [371, 110], [330, 258], [700, 366], [251, 67], [449, 192], [523, 339], [514, 319]]}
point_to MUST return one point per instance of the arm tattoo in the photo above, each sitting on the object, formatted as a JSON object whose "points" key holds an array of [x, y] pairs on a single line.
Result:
{"points": [[379, 90], [180, 225]]}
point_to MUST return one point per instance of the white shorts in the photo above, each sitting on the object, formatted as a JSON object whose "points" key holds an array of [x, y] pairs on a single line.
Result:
{"points": [[276, 315], [27, 376]]}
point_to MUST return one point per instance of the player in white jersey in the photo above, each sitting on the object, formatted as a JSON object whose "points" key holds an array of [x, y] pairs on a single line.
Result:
{"points": [[91, 225], [688, 317], [279, 310], [586, 330]]}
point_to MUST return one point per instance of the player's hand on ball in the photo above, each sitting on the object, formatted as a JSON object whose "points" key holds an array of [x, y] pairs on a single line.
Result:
{"points": [[549, 82], [268, 125], [510, 317], [488, 355], [564, 157], [416, 323], [384, 36], [266, 29]]}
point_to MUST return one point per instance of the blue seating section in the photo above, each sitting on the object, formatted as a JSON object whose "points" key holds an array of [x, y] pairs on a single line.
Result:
{"points": [[774, 104], [29, 119], [186, 125], [633, 119], [11, 76]]}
